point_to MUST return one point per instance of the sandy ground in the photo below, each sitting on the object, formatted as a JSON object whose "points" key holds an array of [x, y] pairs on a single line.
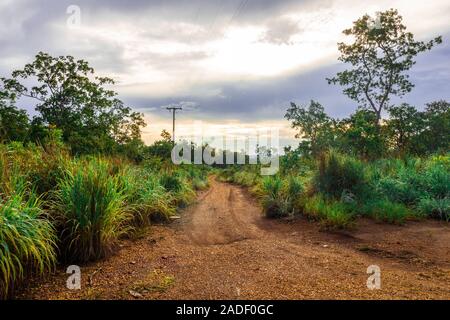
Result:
{"points": [[223, 248]]}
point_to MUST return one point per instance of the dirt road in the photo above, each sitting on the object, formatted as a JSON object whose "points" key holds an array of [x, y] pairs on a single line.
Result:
{"points": [[223, 248]]}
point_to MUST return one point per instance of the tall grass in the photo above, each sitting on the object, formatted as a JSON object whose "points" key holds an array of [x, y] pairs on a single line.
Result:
{"points": [[27, 240], [330, 213], [338, 174], [146, 198], [90, 210], [178, 185]]}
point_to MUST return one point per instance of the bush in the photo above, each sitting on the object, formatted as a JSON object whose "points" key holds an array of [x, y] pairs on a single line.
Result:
{"points": [[274, 202], [387, 211], [338, 174], [179, 186], [27, 241], [90, 210], [146, 198], [435, 208], [424, 185], [331, 214]]}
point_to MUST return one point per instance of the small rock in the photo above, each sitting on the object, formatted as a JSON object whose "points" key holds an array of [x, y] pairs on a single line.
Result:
{"points": [[135, 294], [175, 217], [325, 246], [133, 262]]}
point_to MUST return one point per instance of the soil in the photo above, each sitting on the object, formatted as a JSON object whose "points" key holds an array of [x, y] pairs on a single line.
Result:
{"points": [[222, 247]]}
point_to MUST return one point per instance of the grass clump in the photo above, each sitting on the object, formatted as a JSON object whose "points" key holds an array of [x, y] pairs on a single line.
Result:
{"points": [[279, 197], [27, 241], [331, 214], [338, 174], [146, 198], [90, 210], [388, 211]]}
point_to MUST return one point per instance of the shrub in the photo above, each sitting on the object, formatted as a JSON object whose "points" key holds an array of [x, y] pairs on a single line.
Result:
{"points": [[435, 208], [90, 210], [179, 186], [274, 202], [146, 198], [387, 211], [331, 214], [27, 241], [338, 174], [417, 184]]}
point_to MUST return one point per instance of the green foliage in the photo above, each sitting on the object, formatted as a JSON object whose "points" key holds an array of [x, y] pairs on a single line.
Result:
{"points": [[14, 123], [89, 207], [27, 240], [314, 125], [387, 211], [146, 198], [404, 128], [338, 174], [414, 181], [70, 97], [360, 136], [436, 208], [331, 214], [437, 122], [381, 53], [274, 202], [179, 186]]}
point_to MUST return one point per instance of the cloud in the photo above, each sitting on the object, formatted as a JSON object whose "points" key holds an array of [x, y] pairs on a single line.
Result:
{"points": [[240, 59]]}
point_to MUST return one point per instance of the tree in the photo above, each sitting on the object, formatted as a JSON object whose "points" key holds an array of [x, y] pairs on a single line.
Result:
{"points": [[380, 55], [436, 136], [14, 123], [314, 125], [161, 148], [404, 128], [70, 97], [360, 136]]}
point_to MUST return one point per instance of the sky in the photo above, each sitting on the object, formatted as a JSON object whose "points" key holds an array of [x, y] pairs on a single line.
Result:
{"points": [[233, 65]]}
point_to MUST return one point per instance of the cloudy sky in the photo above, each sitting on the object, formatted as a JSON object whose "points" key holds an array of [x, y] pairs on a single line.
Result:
{"points": [[232, 63]]}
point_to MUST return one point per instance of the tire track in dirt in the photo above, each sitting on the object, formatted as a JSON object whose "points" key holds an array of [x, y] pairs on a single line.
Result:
{"points": [[222, 217]]}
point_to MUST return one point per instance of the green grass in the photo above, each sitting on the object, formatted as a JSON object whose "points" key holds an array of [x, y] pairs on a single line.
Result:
{"points": [[388, 211], [90, 210], [338, 174], [330, 213], [146, 198], [27, 241]]}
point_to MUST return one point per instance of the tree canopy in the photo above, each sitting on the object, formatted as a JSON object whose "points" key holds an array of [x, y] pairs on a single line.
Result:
{"points": [[380, 56], [72, 98]]}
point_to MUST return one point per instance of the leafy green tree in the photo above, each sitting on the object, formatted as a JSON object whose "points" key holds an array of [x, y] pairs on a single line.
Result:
{"points": [[314, 125], [70, 97], [380, 55], [14, 123], [404, 129], [436, 137], [161, 148], [359, 135]]}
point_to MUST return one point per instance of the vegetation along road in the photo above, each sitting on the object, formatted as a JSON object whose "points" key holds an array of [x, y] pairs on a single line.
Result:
{"points": [[222, 247]]}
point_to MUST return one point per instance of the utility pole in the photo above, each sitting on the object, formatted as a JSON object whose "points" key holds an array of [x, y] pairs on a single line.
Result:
{"points": [[174, 110]]}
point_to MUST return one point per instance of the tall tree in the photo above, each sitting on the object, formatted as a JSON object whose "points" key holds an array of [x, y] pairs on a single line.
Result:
{"points": [[70, 97], [404, 128], [314, 125], [380, 54]]}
